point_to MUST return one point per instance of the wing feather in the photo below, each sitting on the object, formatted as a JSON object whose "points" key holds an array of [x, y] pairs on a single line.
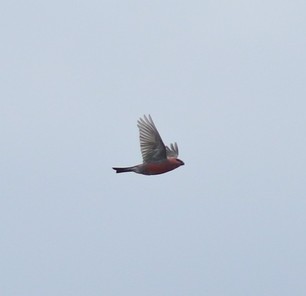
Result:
{"points": [[173, 151], [151, 143]]}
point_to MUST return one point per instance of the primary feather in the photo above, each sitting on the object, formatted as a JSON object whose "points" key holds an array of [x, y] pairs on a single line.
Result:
{"points": [[151, 144]]}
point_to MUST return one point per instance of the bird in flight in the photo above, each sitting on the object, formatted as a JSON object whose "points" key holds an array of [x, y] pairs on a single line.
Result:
{"points": [[157, 158]]}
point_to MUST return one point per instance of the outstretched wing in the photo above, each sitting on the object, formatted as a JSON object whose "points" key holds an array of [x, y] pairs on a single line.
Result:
{"points": [[172, 151], [151, 144]]}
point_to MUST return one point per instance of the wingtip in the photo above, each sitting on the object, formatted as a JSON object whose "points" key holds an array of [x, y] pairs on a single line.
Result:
{"points": [[145, 119]]}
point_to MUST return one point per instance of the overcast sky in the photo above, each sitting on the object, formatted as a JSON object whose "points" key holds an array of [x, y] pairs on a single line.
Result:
{"points": [[224, 79]]}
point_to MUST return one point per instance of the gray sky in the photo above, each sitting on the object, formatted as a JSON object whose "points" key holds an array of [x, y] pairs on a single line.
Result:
{"points": [[225, 79]]}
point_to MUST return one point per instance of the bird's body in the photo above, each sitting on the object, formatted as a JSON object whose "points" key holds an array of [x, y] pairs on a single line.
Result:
{"points": [[153, 168], [157, 158]]}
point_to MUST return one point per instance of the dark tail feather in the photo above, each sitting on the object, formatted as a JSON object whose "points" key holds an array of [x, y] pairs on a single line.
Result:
{"points": [[124, 170]]}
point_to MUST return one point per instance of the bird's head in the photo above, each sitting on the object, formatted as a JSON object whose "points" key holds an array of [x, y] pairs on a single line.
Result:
{"points": [[180, 162]]}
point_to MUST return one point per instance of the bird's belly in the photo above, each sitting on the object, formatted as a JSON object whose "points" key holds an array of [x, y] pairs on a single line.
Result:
{"points": [[158, 168]]}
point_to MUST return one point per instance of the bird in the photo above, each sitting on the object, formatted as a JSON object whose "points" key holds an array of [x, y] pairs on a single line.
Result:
{"points": [[157, 158]]}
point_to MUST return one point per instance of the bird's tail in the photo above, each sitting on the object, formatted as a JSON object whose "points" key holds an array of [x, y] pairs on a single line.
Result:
{"points": [[124, 170]]}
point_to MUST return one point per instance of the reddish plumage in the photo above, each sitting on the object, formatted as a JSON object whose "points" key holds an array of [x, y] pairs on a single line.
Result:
{"points": [[157, 158]]}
